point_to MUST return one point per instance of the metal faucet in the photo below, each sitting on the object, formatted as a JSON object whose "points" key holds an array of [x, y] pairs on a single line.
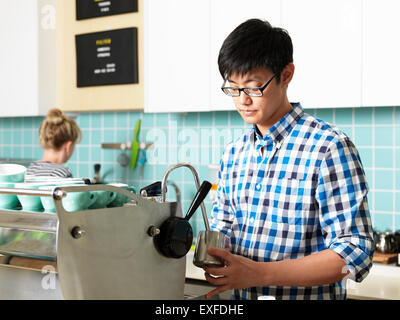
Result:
{"points": [[177, 191], [197, 181]]}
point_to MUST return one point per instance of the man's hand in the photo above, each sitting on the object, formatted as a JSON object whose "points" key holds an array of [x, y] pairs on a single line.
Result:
{"points": [[320, 268], [239, 272]]}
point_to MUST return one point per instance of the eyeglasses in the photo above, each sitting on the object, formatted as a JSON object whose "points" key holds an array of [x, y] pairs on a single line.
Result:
{"points": [[250, 91]]}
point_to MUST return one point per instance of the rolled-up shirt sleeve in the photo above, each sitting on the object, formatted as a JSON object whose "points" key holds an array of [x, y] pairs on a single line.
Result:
{"points": [[343, 208]]}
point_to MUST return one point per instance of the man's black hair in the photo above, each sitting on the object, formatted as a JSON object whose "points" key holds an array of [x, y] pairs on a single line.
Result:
{"points": [[253, 44]]}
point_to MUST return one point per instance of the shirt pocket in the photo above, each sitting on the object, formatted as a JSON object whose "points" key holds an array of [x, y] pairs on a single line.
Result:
{"points": [[289, 201]]}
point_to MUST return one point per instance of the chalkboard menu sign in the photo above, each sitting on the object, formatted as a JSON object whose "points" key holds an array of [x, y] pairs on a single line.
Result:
{"points": [[109, 57], [86, 9]]}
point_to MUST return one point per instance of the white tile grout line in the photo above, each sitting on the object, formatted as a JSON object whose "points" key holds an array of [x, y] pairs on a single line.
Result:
{"points": [[154, 126], [32, 139], [102, 136], [167, 151], [378, 147], [362, 49], [353, 124], [23, 125], [90, 139], [12, 138], [129, 133], [384, 190], [198, 160], [243, 125], [373, 164], [115, 166], [394, 164]]}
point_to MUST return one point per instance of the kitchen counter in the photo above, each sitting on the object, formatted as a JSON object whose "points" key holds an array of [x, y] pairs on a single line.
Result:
{"points": [[193, 272], [383, 281], [196, 284]]}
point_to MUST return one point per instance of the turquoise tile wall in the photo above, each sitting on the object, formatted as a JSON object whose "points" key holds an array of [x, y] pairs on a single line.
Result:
{"points": [[199, 138]]}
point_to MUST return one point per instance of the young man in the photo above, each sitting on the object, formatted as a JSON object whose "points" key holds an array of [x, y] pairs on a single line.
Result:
{"points": [[292, 191]]}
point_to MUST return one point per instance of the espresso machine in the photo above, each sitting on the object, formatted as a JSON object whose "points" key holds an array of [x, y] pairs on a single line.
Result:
{"points": [[129, 252]]}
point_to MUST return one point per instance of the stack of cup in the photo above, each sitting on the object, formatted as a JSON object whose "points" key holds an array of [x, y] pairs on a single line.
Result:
{"points": [[9, 175], [13, 176]]}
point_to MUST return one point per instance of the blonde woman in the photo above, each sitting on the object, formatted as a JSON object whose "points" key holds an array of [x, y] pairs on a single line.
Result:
{"points": [[58, 135]]}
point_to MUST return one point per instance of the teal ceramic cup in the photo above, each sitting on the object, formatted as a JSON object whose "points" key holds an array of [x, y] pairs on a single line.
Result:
{"points": [[8, 201], [47, 202], [120, 199], [73, 201], [103, 199], [12, 173], [31, 203]]}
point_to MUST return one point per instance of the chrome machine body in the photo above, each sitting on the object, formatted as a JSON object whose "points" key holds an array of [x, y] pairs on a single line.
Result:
{"points": [[101, 253]]}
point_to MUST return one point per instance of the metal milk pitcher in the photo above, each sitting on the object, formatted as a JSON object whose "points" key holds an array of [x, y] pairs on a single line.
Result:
{"points": [[209, 239]]}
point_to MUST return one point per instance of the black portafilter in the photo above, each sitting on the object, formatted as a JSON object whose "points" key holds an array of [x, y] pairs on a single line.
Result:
{"points": [[176, 233]]}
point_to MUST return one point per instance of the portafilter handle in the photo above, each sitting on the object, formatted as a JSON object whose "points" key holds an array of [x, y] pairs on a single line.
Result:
{"points": [[196, 180]]}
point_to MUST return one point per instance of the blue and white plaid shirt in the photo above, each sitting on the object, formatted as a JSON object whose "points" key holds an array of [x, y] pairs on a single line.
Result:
{"points": [[304, 194]]}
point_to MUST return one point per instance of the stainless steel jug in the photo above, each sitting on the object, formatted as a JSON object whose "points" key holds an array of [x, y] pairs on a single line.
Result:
{"points": [[209, 239]]}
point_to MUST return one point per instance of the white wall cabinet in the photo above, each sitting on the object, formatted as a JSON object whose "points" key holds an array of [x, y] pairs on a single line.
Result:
{"points": [[182, 42], [345, 51], [176, 36], [381, 48], [27, 57], [327, 42]]}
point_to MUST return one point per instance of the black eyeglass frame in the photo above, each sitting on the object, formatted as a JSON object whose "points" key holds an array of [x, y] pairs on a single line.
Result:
{"points": [[261, 89]]}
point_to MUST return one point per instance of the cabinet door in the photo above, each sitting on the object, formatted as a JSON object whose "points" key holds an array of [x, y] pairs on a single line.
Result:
{"points": [[176, 55], [226, 15], [18, 58], [327, 50], [381, 53], [27, 57]]}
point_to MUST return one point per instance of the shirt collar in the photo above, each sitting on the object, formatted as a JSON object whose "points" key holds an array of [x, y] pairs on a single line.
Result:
{"points": [[280, 130]]}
